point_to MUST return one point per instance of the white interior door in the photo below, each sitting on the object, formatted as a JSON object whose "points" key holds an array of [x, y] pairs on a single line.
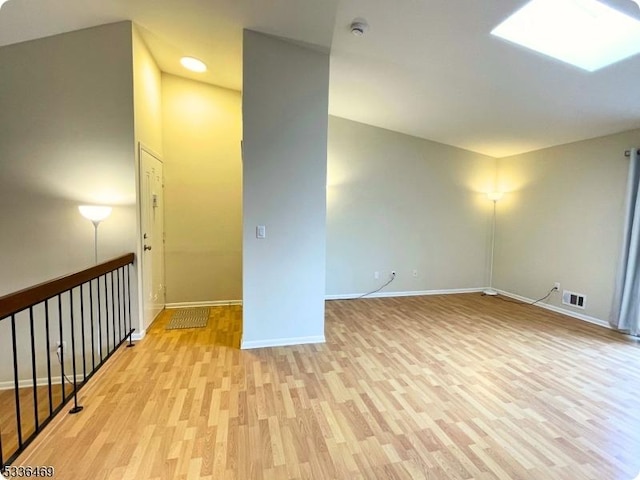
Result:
{"points": [[152, 223]]}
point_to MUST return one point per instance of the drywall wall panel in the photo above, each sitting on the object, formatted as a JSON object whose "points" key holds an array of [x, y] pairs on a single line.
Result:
{"points": [[404, 204], [285, 105], [203, 191], [561, 220]]}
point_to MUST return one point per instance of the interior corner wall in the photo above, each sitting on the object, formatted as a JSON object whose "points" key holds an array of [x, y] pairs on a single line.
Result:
{"points": [[285, 115], [66, 137], [561, 220], [401, 203], [203, 191]]}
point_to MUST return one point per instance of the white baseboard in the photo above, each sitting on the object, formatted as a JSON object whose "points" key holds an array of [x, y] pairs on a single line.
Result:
{"points": [[281, 342], [553, 308], [563, 311], [137, 336], [40, 382], [415, 293], [212, 303]]}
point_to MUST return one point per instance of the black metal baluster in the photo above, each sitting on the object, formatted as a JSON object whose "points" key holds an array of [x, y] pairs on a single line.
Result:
{"points": [[15, 379], [117, 294], [33, 371], [106, 309], [46, 328], [93, 340], [120, 328], [99, 320], [113, 313], [60, 349], [130, 332], [76, 408], [84, 353], [124, 306]]}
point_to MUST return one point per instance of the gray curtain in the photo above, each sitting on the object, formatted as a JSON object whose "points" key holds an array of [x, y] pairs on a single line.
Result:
{"points": [[625, 315]]}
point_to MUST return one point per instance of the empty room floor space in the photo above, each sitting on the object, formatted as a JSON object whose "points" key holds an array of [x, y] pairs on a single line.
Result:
{"points": [[455, 386]]}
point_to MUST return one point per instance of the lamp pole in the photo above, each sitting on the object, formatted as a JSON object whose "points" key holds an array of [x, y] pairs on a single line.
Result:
{"points": [[494, 197], [95, 240]]}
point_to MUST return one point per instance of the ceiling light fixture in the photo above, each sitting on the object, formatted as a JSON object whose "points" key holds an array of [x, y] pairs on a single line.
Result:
{"points": [[584, 33], [359, 27], [2, 2], [193, 64]]}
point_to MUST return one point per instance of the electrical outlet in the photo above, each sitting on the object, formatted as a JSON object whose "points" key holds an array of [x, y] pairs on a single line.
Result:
{"points": [[556, 286], [393, 273], [415, 272], [376, 275]]}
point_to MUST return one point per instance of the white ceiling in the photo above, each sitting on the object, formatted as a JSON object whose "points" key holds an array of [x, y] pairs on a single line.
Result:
{"points": [[428, 68]]}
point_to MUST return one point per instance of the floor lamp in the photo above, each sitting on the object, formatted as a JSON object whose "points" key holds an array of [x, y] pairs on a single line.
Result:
{"points": [[95, 213], [494, 197]]}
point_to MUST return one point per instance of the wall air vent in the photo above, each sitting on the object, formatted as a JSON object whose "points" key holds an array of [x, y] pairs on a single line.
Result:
{"points": [[574, 299]]}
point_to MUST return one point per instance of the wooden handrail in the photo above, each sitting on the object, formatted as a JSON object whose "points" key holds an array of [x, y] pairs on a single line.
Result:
{"points": [[18, 301]]}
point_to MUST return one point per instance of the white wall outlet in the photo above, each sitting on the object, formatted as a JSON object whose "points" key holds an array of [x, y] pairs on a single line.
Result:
{"points": [[556, 286], [393, 273], [376, 275], [261, 231]]}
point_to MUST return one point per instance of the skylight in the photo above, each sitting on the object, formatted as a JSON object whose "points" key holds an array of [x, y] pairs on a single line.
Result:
{"points": [[584, 33]]}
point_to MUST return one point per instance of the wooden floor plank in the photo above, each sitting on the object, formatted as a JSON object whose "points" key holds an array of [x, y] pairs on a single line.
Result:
{"points": [[459, 386], [8, 423]]}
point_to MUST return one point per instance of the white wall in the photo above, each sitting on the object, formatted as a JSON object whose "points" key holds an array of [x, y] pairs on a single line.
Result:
{"points": [[147, 95], [397, 202], [147, 102], [285, 105], [203, 191], [66, 138], [562, 221]]}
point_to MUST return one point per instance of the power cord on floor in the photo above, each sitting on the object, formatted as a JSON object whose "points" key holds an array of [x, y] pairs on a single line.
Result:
{"points": [[60, 362], [527, 303], [393, 276]]}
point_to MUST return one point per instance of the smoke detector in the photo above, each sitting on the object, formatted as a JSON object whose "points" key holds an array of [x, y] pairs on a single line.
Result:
{"points": [[359, 27]]}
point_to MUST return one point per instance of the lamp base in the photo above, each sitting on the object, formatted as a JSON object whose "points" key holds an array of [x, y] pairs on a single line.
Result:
{"points": [[489, 291]]}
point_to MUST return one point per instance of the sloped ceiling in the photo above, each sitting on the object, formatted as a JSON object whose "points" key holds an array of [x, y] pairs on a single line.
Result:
{"points": [[427, 68]]}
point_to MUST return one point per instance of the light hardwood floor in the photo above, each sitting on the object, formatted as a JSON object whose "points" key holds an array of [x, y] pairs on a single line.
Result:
{"points": [[8, 424], [440, 387]]}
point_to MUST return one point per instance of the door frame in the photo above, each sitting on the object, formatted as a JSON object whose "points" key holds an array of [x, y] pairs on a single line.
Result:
{"points": [[142, 328]]}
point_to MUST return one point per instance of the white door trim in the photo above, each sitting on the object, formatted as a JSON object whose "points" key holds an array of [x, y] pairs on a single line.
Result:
{"points": [[141, 330]]}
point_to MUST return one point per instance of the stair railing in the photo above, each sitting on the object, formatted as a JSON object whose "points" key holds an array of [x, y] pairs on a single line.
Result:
{"points": [[68, 326]]}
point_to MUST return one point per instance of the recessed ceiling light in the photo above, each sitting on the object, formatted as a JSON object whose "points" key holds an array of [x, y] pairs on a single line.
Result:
{"points": [[584, 33], [193, 64]]}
